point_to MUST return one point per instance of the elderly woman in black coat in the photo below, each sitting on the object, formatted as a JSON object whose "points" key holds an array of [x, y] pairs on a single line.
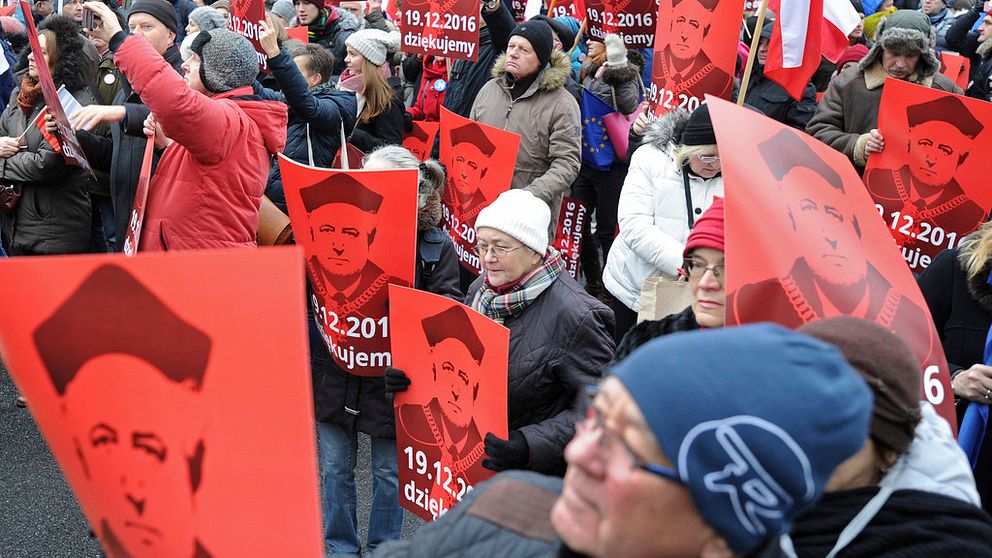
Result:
{"points": [[561, 339], [53, 214]]}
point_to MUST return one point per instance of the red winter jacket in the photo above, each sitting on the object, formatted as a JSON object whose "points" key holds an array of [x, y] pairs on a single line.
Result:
{"points": [[429, 99], [208, 184]]}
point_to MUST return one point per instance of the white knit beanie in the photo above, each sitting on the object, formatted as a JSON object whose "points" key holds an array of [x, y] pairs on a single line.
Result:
{"points": [[616, 52], [373, 44], [521, 215]]}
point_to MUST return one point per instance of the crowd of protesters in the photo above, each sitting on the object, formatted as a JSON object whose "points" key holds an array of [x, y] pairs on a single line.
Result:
{"points": [[609, 475]]}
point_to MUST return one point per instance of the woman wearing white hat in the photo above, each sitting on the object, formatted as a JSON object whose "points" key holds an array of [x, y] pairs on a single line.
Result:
{"points": [[380, 107]]}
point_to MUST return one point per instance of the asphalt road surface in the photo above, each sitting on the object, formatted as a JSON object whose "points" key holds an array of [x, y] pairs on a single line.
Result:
{"points": [[39, 516]]}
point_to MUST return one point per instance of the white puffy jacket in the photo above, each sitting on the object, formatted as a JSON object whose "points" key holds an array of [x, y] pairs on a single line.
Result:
{"points": [[652, 213]]}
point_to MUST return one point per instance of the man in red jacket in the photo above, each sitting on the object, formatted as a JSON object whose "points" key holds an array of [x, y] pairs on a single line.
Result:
{"points": [[211, 176]]}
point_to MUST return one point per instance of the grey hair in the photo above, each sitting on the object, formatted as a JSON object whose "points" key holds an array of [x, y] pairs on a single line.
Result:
{"points": [[432, 173]]}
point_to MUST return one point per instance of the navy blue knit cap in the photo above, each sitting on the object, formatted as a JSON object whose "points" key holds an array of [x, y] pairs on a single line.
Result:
{"points": [[755, 419]]}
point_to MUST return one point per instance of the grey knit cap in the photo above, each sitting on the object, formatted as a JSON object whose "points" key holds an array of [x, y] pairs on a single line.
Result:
{"points": [[207, 18], [906, 32], [227, 60], [284, 9]]}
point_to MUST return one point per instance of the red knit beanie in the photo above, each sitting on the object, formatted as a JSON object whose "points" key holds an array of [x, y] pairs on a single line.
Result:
{"points": [[853, 53], [708, 232]]}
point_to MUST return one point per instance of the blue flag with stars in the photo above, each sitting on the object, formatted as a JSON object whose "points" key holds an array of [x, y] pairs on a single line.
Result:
{"points": [[597, 151]]}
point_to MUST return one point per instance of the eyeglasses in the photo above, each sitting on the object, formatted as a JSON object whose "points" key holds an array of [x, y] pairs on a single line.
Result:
{"points": [[708, 159], [499, 251], [608, 439], [695, 269]]}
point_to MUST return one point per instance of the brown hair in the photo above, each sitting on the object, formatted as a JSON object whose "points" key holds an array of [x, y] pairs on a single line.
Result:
{"points": [[51, 47], [377, 92]]}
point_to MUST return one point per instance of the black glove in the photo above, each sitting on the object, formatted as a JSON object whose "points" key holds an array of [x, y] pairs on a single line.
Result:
{"points": [[507, 454], [396, 380]]}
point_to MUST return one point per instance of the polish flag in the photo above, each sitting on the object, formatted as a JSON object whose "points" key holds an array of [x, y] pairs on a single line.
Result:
{"points": [[795, 47], [839, 19]]}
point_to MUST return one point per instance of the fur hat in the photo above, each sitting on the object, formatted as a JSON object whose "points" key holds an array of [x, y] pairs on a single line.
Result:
{"points": [[227, 60], [373, 44], [207, 18], [906, 32]]}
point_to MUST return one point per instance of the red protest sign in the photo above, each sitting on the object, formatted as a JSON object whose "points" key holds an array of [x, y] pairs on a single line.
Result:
{"points": [[957, 68], [70, 148], [170, 403], [568, 236], [694, 53], [480, 160], [804, 241], [457, 362], [359, 232], [140, 198], [299, 34], [355, 156], [441, 27], [928, 186], [245, 15], [571, 8], [420, 140], [633, 20]]}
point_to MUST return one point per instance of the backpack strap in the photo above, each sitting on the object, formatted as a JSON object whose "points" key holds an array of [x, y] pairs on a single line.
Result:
{"points": [[430, 252]]}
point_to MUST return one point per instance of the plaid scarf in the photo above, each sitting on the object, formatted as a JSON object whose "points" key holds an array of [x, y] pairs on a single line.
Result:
{"points": [[501, 306]]}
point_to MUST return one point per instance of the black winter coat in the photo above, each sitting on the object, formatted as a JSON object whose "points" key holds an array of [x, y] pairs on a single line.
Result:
{"points": [[120, 155], [465, 78], [961, 38], [962, 313], [385, 129], [776, 103], [335, 390], [649, 329], [323, 108], [559, 344]]}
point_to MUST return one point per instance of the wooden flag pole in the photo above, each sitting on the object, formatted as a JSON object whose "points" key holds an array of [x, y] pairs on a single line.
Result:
{"points": [[753, 53], [578, 36]]}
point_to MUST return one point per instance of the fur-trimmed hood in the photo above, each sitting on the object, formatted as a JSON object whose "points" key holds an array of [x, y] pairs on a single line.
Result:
{"points": [[984, 49], [905, 39], [664, 131], [346, 20], [75, 68], [429, 190], [978, 285], [553, 76]]}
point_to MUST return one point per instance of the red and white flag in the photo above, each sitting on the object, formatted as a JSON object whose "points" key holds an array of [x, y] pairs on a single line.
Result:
{"points": [[794, 50], [839, 19]]}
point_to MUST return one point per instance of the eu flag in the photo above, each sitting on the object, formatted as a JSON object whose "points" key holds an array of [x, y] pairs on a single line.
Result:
{"points": [[597, 151]]}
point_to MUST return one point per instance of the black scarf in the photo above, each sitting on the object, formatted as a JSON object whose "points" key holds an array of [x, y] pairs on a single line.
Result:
{"points": [[911, 524]]}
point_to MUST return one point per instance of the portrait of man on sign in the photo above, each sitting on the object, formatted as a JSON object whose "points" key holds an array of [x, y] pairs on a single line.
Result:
{"points": [[471, 152], [942, 134], [680, 64], [832, 275], [145, 365], [445, 427], [341, 212]]}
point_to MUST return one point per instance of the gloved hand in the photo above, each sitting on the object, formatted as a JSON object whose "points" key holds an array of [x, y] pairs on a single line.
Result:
{"points": [[396, 380], [506, 454]]}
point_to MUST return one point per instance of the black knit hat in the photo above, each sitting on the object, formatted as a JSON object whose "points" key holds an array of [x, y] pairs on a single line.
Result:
{"points": [[699, 129], [539, 35], [565, 35], [161, 10]]}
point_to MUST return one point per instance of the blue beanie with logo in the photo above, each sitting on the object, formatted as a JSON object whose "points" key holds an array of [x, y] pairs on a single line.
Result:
{"points": [[754, 418]]}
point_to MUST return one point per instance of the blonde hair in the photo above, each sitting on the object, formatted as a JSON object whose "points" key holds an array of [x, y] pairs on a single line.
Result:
{"points": [[377, 92], [980, 245], [685, 152]]}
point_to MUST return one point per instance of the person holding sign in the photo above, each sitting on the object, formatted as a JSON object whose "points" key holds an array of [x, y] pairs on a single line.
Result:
{"points": [[53, 214], [528, 97], [207, 188], [560, 337], [942, 134]]}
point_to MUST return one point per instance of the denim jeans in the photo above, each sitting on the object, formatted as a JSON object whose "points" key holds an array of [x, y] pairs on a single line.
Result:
{"points": [[338, 457]]}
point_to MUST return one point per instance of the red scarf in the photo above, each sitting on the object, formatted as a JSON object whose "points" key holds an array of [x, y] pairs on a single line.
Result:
{"points": [[29, 95]]}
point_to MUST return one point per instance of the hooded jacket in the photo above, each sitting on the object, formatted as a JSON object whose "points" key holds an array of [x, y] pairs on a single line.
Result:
{"points": [[546, 117], [849, 108], [430, 93], [209, 182], [53, 215], [323, 109], [652, 214]]}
